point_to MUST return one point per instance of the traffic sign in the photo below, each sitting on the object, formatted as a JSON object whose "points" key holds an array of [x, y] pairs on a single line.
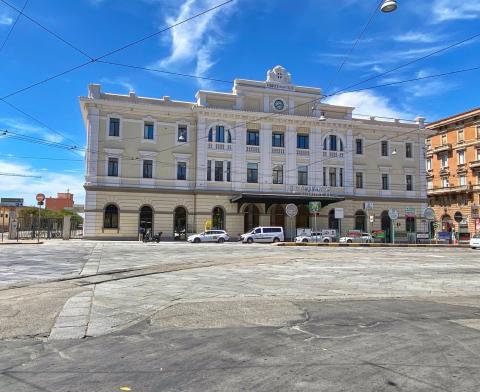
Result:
{"points": [[40, 197], [339, 213], [393, 213], [458, 217], [429, 213], [291, 210], [315, 207]]}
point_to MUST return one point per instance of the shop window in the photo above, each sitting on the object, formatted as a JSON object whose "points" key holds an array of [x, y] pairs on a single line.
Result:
{"points": [[410, 224]]}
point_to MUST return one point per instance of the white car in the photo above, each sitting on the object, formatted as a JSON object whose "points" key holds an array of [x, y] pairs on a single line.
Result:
{"points": [[263, 234], [364, 238], [475, 241], [313, 237], [219, 236]]}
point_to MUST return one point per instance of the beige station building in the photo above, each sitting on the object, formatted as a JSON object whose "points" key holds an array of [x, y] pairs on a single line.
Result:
{"points": [[234, 160]]}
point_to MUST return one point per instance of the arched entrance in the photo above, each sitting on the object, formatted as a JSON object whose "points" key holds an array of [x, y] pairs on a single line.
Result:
{"points": [[386, 223], [250, 217], [180, 223], [360, 221], [218, 218], [333, 223], [277, 216], [146, 219], [302, 218]]}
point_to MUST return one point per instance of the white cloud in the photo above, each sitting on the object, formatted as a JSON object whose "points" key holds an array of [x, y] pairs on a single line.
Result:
{"points": [[418, 37], [5, 20], [18, 126], [193, 43], [50, 183], [369, 103], [122, 82], [446, 10]]}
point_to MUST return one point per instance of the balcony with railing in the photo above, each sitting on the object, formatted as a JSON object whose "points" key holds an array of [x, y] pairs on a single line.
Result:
{"points": [[475, 165], [442, 148], [303, 152], [333, 154], [253, 149], [220, 146], [278, 150], [449, 189]]}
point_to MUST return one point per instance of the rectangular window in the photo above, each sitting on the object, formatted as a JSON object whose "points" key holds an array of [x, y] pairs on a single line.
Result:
{"points": [[278, 174], [444, 139], [252, 172], [253, 138], [332, 176], [385, 185], [359, 180], [113, 167], [114, 129], [359, 146], [324, 176], [408, 150], [278, 139], [148, 130], [384, 148], [340, 177], [220, 134], [209, 170], [181, 171], [302, 175], [147, 168], [409, 182], [218, 170], [429, 184], [229, 170], [445, 183], [478, 131], [302, 141], [461, 157], [182, 133], [462, 180], [478, 154], [460, 136], [429, 163], [444, 159]]}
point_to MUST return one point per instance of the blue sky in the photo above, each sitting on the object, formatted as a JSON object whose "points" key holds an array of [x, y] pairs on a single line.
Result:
{"points": [[243, 39]]}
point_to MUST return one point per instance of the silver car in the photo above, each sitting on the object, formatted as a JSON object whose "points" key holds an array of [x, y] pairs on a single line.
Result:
{"points": [[219, 236], [313, 237]]}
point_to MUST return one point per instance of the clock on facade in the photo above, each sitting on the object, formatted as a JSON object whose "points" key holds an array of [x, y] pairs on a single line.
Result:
{"points": [[278, 104]]}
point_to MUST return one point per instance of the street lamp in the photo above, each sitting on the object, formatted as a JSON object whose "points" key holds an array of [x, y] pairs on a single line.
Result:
{"points": [[389, 6]]}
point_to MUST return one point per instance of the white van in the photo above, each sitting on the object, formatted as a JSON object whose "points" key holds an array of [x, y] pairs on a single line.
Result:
{"points": [[264, 234]]}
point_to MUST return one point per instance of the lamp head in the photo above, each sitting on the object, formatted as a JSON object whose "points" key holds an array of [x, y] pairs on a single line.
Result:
{"points": [[389, 6]]}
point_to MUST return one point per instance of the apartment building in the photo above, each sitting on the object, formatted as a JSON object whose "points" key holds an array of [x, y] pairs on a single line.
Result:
{"points": [[453, 172], [233, 160]]}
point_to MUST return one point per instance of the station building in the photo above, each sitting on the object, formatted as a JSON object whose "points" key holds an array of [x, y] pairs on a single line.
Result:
{"points": [[235, 159]]}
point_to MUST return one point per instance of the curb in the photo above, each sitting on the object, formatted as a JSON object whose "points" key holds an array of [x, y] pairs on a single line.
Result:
{"points": [[362, 245]]}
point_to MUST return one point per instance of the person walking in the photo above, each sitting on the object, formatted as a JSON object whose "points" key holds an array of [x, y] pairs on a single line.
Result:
{"points": [[141, 233]]}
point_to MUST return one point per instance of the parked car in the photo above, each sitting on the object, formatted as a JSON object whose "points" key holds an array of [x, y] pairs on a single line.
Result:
{"points": [[363, 238], [475, 241], [264, 234], [313, 237], [219, 236]]}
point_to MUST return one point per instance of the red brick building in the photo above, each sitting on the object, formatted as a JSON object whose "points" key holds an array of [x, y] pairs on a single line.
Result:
{"points": [[63, 201]]}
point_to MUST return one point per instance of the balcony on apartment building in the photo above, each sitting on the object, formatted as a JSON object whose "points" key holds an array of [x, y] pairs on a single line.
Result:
{"points": [[333, 154], [449, 189], [447, 147], [475, 165]]}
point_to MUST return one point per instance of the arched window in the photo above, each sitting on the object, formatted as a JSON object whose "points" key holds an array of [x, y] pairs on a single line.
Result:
{"points": [[110, 219], [179, 223], [210, 135], [332, 221], [228, 136], [333, 143], [219, 134], [360, 220], [146, 218], [218, 218]]}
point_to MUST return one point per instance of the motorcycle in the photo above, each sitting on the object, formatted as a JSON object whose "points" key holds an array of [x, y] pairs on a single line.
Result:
{"points": [[149, 237]]}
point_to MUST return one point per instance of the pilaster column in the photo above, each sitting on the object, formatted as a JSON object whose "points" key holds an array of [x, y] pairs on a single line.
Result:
{"points": [[348, 154], [202, 144], [422, 170], [239, 156], [291, 155], [92, 144], [265, 156], [316, 164]]}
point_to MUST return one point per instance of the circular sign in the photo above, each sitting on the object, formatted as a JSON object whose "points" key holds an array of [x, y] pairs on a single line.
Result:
{"points": [[291, 210], [429, 213], [40, 197], [458, 217], [393, 213]]}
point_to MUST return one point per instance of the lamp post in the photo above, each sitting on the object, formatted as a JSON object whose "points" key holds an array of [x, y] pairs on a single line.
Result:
{"points": [[389, 6]]}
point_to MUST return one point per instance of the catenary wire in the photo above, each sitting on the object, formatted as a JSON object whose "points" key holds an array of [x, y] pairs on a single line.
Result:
{"points": [[13, 26]]}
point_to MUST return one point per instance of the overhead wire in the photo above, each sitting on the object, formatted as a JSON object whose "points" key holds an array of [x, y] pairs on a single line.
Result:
{"points": [[10, 31]]}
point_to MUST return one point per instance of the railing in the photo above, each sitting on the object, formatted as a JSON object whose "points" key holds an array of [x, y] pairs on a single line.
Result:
{"points": [[303, 152], [442, 148], [253, 149], [453, 189], [220, 146], [475, 164], [278, 150], [333, 154]]}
